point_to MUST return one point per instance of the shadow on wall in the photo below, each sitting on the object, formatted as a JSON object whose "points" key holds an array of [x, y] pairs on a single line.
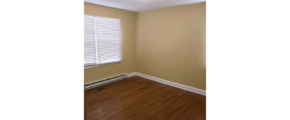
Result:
{"points": [[205, 47]]}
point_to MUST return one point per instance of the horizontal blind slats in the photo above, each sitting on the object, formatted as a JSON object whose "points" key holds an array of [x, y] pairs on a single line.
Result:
{"points": [[109, 44], [89, 40], [102, 40]]}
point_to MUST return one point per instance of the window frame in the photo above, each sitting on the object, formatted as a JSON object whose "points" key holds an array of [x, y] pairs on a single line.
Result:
{"points": [[88, 66], [101, 65]]}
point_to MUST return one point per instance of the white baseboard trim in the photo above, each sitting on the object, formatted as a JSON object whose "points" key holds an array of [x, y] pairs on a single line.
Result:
{"points": [[105, 81], [131, 74], [167, 82]]}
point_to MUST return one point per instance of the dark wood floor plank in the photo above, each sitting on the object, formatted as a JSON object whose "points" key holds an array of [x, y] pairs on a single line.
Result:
{"points": [[137, 98]]}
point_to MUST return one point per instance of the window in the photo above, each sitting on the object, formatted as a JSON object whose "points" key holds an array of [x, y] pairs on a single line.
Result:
{"points": [[102, 41]]}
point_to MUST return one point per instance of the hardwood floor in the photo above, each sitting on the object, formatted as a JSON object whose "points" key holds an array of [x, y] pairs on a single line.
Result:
{"points": [[137, 98]]}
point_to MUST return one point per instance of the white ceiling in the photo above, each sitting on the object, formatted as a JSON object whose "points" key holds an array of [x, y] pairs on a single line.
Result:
{"points": [[142, 5]]}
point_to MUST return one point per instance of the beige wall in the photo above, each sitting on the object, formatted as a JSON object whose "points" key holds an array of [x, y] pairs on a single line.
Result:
{"points": [[128, 20], [171, 44]]}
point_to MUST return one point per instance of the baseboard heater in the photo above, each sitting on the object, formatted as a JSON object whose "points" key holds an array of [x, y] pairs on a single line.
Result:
{"points": [[105, 81]]}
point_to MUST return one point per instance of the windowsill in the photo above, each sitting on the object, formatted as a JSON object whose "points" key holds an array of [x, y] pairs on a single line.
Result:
{"points": [[101, 65]]}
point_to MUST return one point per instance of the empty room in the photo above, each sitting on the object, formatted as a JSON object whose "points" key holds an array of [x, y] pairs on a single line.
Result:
{"points": [[145, 59]]}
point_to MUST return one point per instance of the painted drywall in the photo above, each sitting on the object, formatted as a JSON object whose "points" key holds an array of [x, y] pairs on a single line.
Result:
{"points": [[128, 20], [170, 44]]}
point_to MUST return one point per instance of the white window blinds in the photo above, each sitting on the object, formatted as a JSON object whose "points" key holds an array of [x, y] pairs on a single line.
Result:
{"points": [[89, 41], [102, 40], [108, 42]]}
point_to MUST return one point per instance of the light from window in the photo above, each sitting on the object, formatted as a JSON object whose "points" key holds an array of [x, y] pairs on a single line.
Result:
{"points": [[102, 41]]}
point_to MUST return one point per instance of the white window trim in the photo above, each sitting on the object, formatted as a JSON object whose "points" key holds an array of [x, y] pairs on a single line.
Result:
{"points": [[101, 65]]}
